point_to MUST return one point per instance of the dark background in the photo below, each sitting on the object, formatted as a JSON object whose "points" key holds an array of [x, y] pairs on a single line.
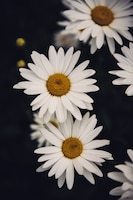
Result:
{"points": [[35, 21]]}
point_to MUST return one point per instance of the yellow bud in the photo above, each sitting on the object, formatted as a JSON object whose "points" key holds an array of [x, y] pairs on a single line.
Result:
{"points": [[21, 63], [20, 42]]}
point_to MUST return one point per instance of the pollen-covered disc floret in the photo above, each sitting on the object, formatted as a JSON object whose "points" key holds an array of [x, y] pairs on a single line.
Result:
{"points": [[125, 73], [73, 148], [102, 15], [101, 20], [59, 83], [125, 178]]}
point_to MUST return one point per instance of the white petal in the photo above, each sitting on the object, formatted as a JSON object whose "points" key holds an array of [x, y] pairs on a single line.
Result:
{"points": [[111, 44], [63, 164], [60, 60], [66, 127], [61, 112], [52, 104], [126, 34], [93, 45], [29, 75], [47, 150], [117, 191], [90, 3], [78, 167], [73, 62], [91, 157], [40, 169], [56, 166], [90, 126], [44, 108], [128, 171], [86, 33], [67, 58], [61, 180], [130, 154], [89, 176], [98, 153], [55, 130], [67, 103], [76, 112], [70, 175], [117, 176], [91, 167], [40, 98], [80, 68], [100, 38], [51, 162], [51, 137], [80, 6], [91, 135], [84, 97], [96, 144], [76, 127], [47, 65], [48, 156], [75, 15], [52, 58], [46, 117], [76, 101]]}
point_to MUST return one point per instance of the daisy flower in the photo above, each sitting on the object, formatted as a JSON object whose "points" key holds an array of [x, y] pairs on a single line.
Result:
{"points": [[59, 84], [73, 148], [37, 125], [100, 21], [125, 62], [125, 177]]}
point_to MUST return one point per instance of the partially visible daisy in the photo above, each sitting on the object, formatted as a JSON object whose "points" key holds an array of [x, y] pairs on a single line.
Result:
{"points": [[125, 178], [66, 38], [125, 62], [73, 148], [37, 125], [100, 21], [59, 83]]}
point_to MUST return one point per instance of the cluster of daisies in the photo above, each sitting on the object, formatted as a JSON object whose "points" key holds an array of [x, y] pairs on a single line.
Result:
{"points": [[67, 139]]}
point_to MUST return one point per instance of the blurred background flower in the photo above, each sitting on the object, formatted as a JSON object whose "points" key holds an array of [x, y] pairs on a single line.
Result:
{"points": [[36, 23]]}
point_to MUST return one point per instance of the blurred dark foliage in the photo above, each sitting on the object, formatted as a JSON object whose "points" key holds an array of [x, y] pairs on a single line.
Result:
{"points": [[35, 21]]}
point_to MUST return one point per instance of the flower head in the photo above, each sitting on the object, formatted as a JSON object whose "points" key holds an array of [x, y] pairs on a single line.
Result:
{"points": [[37, 125], [125, 62], [61, 86], [73, 148], [100, 21], [125, 177]]}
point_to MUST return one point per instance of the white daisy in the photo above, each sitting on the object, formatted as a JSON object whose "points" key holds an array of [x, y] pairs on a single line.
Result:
{"points": [[73, 148], [37, 125], [61, 86], [125, 62], [101, 20], [125, 177]]}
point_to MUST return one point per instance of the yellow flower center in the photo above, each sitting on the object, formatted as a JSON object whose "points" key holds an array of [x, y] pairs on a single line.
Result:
{"points": [[58, 84], [72, 148], [102, 15]]}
